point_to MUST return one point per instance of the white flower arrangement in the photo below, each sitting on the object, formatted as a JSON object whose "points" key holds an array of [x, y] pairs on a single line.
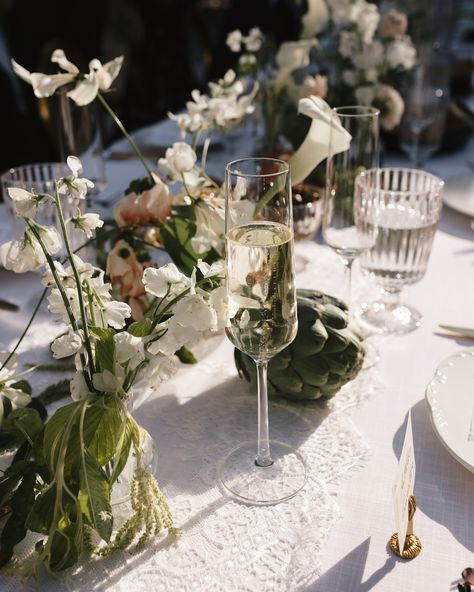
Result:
{"points": [[75, 458]]}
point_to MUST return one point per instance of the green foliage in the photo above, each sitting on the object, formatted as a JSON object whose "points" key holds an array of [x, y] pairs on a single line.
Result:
{"points": [[185, 356]]}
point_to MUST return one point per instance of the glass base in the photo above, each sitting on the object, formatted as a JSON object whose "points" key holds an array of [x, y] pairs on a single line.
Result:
{"points": [[372, 356], [247, 482], [386, 317]]}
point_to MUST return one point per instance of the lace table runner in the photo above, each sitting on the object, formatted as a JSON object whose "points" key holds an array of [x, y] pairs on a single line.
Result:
{"points": [[195, 420]]}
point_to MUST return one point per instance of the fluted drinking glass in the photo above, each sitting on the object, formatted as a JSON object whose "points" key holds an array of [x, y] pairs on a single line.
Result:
{"points": [[260, 281]]}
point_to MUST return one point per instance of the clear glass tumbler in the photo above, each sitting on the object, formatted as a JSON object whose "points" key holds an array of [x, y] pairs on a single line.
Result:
{"points": [[406, 207]]}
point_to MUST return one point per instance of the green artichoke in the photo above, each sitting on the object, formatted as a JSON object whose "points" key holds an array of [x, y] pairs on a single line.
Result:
{"points": [[327, 352]]}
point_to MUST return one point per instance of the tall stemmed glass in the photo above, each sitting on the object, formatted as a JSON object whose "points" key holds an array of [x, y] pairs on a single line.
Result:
{"points": [[340, 230], [260, 280]]}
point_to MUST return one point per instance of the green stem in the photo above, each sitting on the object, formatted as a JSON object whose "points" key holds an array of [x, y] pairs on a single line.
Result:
{"points": [[17, 345], [126, 134], [78, 280]]}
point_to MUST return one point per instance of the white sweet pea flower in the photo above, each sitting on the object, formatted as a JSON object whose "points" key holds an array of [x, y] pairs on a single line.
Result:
{"points": [[25, 203], [50, 237], [180, 158], [78, 386], [234, 41], [114, 313], [224, 305], [217, 269], [74, 186], [173, 337], [99, 78], [188, 123], [210, 218], [87, 223], [8, 376], [193, 311], [129, 349], [166, 280], [66, 345], [22, 255], [56, 303], [159, 369]]}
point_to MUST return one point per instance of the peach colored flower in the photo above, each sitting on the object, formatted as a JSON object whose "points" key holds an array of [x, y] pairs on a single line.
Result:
{"points": [[153, 205], [393, 24], [124, 268]]}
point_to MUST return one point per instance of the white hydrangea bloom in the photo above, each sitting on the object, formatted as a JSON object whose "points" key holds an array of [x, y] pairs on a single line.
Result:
{"points": [[348, 44], [253, 41]]}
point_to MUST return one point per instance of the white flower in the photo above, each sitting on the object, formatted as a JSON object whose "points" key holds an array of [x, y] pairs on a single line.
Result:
{"points": [[247, 59], [87, 223], [108, 382], [129, 348], [78, 386], [179, 163], [314, 85], [56, 303], [193, 311], [167, 280], [401, 53], [159, 369], [385, 98], [234, 40], [253, 41], [74, 186], [9, 376], [66, 345], [217, 269], [115, 313], [371, 75], [22, 255], [188, 123], [50, 237], [224, 306], [100, 77], [350, 77], [371, 56], [173, 338], [25, 203], [210, 219], [291, 56], [367, 21], [348, 43]]}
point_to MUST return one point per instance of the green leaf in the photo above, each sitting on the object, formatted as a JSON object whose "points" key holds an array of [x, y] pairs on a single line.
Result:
{"points": [[54, 432], [25, 422], [41, 514], [124, 451], [15, 530], [105, 352], [185, 356], [102, 425], [64, 550], [94, 496], [176, 234], [140, 328], [139, 185], [22, 385]]}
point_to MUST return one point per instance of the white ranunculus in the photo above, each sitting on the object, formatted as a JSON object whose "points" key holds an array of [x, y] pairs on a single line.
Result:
{"points": [[129, 348], [371, 56], [165, 280], [115, 313], [25, 203], [367, 21], [87, 223], [253, 41], [66, 345], [234, 41], [401, 53], [193, 311]]}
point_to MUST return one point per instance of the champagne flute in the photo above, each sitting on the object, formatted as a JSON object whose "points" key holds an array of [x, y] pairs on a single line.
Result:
{"points": [[260, 280], [343, 208]]}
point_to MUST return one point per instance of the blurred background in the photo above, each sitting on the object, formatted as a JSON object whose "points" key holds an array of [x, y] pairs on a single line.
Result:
{"points": [[174, 46]]}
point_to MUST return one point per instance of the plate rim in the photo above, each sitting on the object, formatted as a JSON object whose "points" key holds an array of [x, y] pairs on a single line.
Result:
{"points": [[454, 454], [449, 200]]}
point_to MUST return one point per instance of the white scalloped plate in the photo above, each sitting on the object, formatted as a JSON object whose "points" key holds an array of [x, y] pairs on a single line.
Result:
{"points": [[459, 194], [450, 398]]}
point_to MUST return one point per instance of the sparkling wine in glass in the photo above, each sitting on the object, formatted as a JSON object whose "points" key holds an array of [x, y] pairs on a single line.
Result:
{"points": [[406, 207], [260, 280]]}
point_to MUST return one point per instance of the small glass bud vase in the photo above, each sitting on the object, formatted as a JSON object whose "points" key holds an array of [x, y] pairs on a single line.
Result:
{"points": [[307, 210]]}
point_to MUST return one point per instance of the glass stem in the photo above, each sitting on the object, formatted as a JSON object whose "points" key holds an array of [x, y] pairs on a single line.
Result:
{"points": [[348, 281], [392, 297], [263, 458]]}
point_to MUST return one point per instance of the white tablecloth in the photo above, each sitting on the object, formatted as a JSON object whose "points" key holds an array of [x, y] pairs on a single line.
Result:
{"points": [[333, 536]]}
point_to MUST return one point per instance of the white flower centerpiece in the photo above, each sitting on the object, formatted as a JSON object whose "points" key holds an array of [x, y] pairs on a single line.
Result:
{"points": [[60, 485]]}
